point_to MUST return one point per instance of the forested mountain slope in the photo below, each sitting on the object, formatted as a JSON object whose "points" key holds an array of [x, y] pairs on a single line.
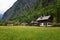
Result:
{"points": [[28, 10]]}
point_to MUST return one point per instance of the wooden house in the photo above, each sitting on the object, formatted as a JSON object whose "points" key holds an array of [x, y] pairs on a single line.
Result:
{"points": [[34, 23], [42, 21], [45, 21]]}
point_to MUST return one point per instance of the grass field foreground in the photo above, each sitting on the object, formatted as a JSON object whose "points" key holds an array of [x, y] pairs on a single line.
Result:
{"points": [[29, 33]]}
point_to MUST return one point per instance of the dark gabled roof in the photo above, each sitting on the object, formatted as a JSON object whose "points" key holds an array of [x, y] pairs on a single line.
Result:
{"points": [[43, 18]]}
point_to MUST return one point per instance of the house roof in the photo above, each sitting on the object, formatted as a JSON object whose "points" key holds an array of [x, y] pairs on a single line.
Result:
{"points": [[43, 18], [34, 22]]}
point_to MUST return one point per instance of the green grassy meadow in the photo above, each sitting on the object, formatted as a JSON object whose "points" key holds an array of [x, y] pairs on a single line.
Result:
{"points": [[29, 33]]}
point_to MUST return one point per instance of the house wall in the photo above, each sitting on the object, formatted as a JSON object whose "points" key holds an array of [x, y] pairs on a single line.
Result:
{"points": [[46, 24]]}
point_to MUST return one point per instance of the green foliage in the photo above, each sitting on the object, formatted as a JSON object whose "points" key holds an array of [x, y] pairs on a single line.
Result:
{"points": [[40, 9]]}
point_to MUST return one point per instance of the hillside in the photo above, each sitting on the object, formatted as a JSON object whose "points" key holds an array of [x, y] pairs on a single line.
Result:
{"points": [[28, 10], [1, 15]]}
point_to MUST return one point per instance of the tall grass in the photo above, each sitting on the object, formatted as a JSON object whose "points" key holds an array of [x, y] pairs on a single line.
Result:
{"points": [[29, 33]]}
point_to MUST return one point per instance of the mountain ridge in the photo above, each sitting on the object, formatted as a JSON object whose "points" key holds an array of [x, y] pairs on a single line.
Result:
{"points": [[30, 9], [1, 15]]}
